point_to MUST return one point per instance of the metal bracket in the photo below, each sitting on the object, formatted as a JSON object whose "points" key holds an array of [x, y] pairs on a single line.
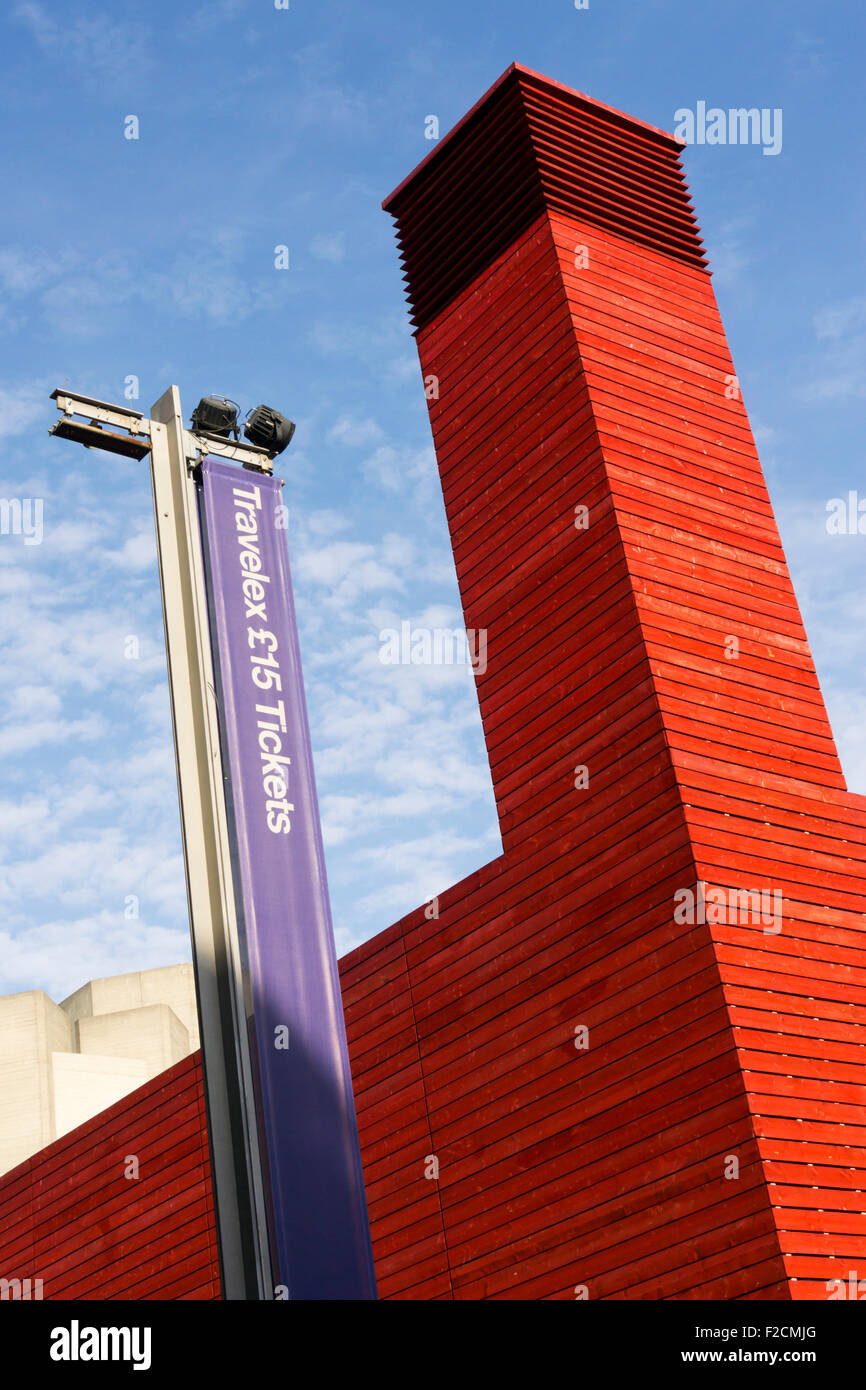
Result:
{"points": [[249, 455], [98, 413]]}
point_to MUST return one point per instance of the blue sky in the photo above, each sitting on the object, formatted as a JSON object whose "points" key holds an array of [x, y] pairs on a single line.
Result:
{"points": [[155, 258]]}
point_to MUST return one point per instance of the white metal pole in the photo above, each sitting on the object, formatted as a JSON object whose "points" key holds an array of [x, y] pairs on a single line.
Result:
{"points": [[235, 1163]]}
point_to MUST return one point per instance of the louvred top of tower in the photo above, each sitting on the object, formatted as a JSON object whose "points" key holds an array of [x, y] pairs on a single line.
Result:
{"points": [[527, 145]]}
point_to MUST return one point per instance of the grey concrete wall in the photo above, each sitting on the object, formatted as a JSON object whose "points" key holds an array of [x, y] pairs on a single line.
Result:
{"points": [[62, 1064]]}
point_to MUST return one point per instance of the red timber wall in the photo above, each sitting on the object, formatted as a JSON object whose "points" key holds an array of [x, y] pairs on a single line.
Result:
{"points": [[562, 304], [75, 1217], [708, 1141]]}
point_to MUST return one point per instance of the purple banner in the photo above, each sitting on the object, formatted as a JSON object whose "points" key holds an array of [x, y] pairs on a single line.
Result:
{"points": [[307, 1128]]}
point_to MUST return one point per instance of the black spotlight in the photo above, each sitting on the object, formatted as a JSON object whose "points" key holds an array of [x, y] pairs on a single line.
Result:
{"points": [[268, 429], [216, 415]]}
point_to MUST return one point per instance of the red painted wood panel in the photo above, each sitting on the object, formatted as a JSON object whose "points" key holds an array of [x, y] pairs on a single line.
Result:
{"points": [[69, 1216]]}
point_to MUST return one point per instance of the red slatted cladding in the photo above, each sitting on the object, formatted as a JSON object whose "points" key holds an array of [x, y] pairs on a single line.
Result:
{"points": [[585, 364], [708, 1142], [527, 147], [74, 1217]]}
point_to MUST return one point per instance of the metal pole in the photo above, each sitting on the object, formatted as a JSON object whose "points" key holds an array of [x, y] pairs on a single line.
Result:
{"points": [[305, 1141], [238, 1190]]}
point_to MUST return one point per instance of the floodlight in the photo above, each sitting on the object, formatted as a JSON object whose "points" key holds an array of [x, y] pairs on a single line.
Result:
{"points": [[216, 415], [268, 429]]}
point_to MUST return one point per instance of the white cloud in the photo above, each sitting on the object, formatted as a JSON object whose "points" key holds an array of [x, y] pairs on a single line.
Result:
{"points": [[360, 338], [24, 699], [357, 433], [62, 954], [102, 53], [24, 735], [841, 319], [843, 383], [210, 16], [840, 373], [21, 407], [138, 552], [63, 537], [326, 523], [329, 248], [346, 569], [414, 871], [90, 867], [22, 272], [403, 471], [729, 257], [403, 368], [829, 577]]}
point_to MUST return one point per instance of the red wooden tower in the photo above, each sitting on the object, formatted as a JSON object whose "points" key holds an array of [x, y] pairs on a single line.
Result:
{"points": [[653, 722]]}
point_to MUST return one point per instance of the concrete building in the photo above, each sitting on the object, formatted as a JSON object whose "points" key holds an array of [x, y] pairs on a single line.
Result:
{"points": [[60, 1064]]}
